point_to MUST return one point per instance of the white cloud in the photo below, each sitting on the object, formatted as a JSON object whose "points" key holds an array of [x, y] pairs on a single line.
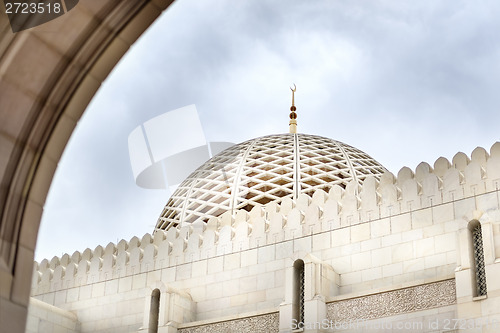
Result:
{"points": [[404, 81]]}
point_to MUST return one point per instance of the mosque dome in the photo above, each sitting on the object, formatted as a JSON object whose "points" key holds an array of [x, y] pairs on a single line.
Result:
{"points": [[262, 170]]}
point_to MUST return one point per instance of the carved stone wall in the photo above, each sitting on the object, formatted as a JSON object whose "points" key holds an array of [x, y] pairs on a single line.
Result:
{"points": [[409, 193], [422, 297], [267, 323]]}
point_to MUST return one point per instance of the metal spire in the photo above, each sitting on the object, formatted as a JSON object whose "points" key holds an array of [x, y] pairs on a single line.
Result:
{"points": [[293, 115]]}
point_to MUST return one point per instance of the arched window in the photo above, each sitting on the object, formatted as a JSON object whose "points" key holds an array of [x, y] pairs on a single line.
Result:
{"points": [[298, 291], [478, 258], [154, 311]]}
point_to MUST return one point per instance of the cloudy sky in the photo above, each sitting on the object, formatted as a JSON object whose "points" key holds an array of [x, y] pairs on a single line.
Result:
{"points": [[404, 81]]}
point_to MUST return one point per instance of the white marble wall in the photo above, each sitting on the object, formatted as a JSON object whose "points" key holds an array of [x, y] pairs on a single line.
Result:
{"points": [[393, 233], [43, 317]]}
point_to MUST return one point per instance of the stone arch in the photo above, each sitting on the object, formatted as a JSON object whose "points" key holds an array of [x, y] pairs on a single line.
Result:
{"points": [[43, 94], [167, 300], [305, 291]]}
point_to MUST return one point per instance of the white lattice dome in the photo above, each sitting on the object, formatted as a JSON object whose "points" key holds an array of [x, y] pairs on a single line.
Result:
{"points": [[265, 169]]}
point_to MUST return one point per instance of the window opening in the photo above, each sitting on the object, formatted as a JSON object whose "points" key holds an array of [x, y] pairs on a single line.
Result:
{"points": [[154, 311], [477, 241], [298, 291]]}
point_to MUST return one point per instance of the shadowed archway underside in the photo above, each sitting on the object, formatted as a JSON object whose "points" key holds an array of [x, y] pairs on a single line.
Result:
{"points": [[48, 75]]}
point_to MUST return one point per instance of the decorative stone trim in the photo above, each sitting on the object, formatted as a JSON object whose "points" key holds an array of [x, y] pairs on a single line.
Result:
{"points": [[422, 297], [267, 323]]}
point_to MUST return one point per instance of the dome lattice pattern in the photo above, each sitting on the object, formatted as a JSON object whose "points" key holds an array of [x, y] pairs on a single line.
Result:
{"points": [[262, 170]]}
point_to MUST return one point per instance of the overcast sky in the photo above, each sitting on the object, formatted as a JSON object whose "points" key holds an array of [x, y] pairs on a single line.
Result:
{"points": [[404, 81]]}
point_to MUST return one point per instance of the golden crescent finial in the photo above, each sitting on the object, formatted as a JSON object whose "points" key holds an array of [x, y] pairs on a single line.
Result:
{"points": [[293, 115], [293, 93]]}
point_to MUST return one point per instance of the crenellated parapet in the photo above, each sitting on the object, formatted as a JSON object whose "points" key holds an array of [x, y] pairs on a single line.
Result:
{"points": [[408, 191]]}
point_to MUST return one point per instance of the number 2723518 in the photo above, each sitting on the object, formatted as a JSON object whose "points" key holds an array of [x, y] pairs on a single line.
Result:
{"points": [[32, 8]]}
